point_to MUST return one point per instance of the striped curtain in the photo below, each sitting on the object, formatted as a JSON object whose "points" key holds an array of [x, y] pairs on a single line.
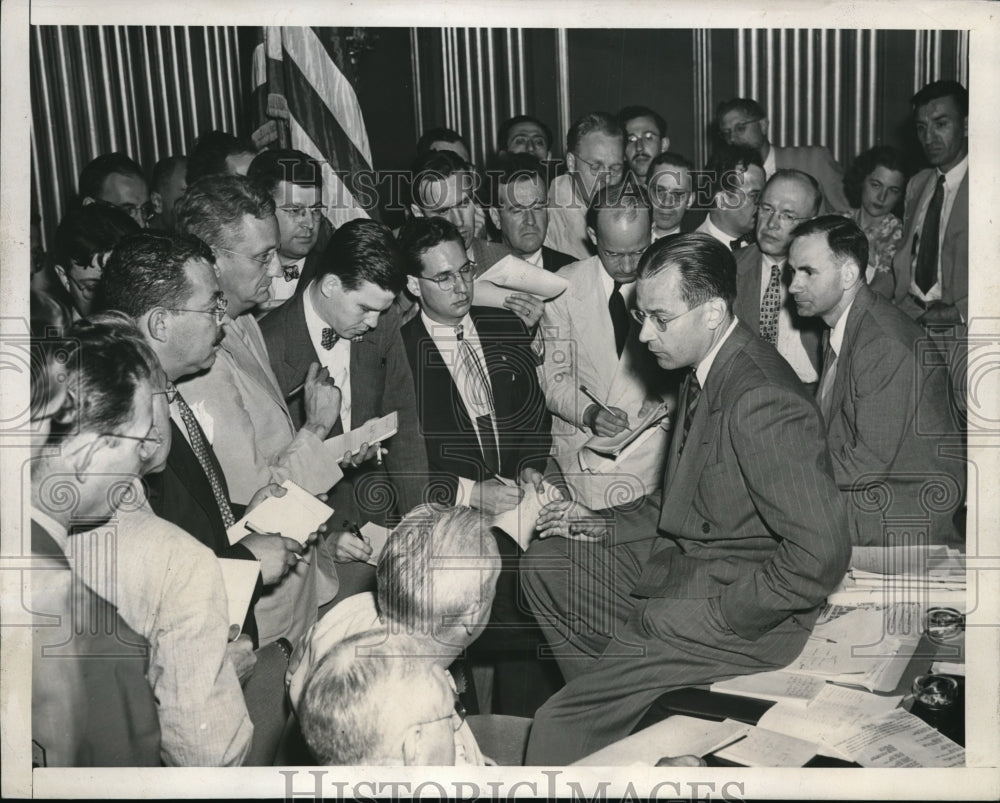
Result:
{"points": [[146, 91], [303, 99]]}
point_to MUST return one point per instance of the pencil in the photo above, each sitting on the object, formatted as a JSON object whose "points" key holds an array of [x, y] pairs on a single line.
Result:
{"points": [[590, 395]]}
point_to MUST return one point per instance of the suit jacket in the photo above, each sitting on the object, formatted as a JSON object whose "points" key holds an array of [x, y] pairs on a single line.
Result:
{"points": [[750, 504], [523, 423], [889, 421], [954, 248], [553, 260], [567, 231], [580, 349], [91, 705], [819, 163], [486, 254], [747, 306], [380, 383], [182, 495]]}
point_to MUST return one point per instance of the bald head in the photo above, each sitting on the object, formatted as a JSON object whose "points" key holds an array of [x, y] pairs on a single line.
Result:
{"points": [[789, 198]]}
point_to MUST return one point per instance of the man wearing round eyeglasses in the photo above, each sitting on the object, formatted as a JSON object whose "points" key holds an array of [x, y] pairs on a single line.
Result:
{"points": [[742, 121], [724, 576], [117, 180], [763, 276], [595, 157], [295, 183], [645, 138], [670, 193], [593, 346]]}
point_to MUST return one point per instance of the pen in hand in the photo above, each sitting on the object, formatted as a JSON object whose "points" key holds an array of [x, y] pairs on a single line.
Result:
{"points": [[590, 395]]}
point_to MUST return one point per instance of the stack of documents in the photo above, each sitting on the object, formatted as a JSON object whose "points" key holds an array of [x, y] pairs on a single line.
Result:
{"points": [[933, 575]]}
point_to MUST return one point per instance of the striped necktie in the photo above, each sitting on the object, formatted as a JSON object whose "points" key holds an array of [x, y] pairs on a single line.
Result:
{"points": [[200, 448]]}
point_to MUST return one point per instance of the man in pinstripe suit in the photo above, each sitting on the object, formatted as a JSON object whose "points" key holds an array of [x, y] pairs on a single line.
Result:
{"points": [[726, 577]]}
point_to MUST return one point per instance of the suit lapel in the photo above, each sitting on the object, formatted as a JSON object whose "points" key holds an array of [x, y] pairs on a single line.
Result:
{"points": [[364, 365], [595, 325], [748, 285], [841, 383], [297, 348], [185, 466]]}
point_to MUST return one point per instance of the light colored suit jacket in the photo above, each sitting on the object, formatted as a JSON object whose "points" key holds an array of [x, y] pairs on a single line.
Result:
{"points": [[954, 248], [888, 424], [580, 350], [567, 231], [747, 304], [819, 163], [240, 407], [750, 503]]}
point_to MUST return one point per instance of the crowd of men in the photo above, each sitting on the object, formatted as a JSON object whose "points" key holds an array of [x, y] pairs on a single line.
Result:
{"points": [[203, 335]]}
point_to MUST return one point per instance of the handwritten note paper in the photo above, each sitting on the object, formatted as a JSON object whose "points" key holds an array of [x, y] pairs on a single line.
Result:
{"points": [[776, 686], [295, 515], [764, 748], [514, 275], [614, 445], [377, 536], [899, 739], [675, 736], [374, 430], [519, 522]]}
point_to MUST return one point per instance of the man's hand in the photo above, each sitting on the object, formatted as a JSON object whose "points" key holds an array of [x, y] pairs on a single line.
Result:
{"points": [[532, 476], [681, 761], [363, 455], [322, 399], [940, 313], [527, 307], [571, 520], [269, 490], [603, 423], [276, 554], [494, 497], [241, 655], [347, 547]]}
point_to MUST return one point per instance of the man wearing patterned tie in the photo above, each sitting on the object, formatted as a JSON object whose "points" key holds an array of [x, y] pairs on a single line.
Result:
{"points": [[295, 183], [726, 575], [762, 278], [590, 342], [884, 404], [736, 176]]}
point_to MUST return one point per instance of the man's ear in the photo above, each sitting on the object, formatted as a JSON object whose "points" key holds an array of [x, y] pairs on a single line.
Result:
{"points": [[86, 201], [413, 747], [416, 211], [849, 273], [570, 162], [330, 285], [765, 124], [157, 200], [592, 235], [63, 278], [664, 144], [495, 216], [156, 324], [413, 285]]}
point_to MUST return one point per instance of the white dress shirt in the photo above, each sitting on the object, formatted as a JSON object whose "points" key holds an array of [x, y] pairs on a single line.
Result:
{"points": [[336, 360], [952, 179], [708, 227], [281, 290], [769, 163], [701, 371], [789, 343], [535, 259]]}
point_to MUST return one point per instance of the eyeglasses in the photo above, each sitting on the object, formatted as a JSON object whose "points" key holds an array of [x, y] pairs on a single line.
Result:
{"points": [[532, 143], [140, 214], [786, 218], [265, 260], [597, 169], [658, 320], [649, 137], [302, 212], [458, 715], [157, 438], [739, 129], [219, 311], [446, 281], [171, 393]]}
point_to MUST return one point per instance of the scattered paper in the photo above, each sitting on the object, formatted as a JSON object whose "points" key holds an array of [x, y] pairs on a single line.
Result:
{"points": [[295, 515], [513, 275], [765, 748], [947, 668], [240, 579], [377, 536], [675, 736], [935, 561], [899, 739], [374, 430], [614, 445], [776, 686], [519, 522]]}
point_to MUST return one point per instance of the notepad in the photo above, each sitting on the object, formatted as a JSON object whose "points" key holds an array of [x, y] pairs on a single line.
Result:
{"points": [[240, 579], [514, 275], [765, 748], [374, 430], [519, 522], [614, 445], [678, 735], [787, 686], [377, 537], [295, 515]]}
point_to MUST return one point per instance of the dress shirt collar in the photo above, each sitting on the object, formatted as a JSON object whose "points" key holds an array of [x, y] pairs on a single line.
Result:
{"points": [[954, 176], [534, 259], [703, 368], [769, 163], [837, 332], [314, 323], [709, 227], [609, 284], [58, 532], [445, 332], [657, 234]]}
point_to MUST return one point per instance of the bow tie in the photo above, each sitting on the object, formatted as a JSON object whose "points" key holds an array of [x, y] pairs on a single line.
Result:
{"points": [[291, 272], [739, 242], [328, 338]]}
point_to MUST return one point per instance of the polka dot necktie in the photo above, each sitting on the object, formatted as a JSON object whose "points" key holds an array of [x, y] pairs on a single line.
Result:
{"points": [[770, 306]]}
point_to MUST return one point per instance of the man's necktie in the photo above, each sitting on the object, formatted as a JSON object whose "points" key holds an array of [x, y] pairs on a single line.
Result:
{"points": [[291, 272], [827, 381], [739, 242], [692, 394], [328, 338], [200, 449], [479, 396], [620, 319], [925, 274], [770, 305]]}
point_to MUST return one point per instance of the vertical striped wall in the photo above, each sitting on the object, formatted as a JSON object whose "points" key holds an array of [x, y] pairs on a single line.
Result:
{"points": [[146, 91], [470, 80]]}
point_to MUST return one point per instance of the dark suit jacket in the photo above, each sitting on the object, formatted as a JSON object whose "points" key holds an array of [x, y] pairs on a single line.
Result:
{"points": [[380, 383], [954, 248], [552, 260], [523, 423], [747, 305], [182, 495], [310, 268], [750, 504], [889, 420]]}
